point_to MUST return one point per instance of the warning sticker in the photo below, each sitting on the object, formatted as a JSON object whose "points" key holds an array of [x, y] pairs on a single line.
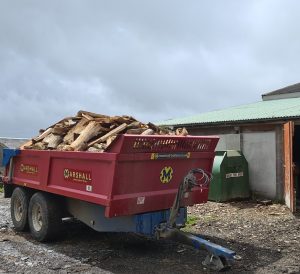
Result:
{"points": [[234, 175], [140, 200]]}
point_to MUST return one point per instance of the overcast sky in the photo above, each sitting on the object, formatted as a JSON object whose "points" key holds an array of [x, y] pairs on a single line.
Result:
{"points": [[154, 60]]}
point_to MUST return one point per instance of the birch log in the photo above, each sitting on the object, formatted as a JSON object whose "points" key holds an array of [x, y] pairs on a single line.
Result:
{"points": [[90, 131]]}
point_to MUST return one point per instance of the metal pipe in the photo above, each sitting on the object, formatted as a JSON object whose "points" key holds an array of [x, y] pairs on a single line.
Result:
{"points": [[10, 170]]}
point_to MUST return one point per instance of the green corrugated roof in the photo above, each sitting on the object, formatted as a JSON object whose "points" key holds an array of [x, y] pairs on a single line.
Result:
{"points": [[263, 110]]}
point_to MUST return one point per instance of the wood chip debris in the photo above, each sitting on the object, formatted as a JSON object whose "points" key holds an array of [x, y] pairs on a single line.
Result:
{"points": [[92, 132]]}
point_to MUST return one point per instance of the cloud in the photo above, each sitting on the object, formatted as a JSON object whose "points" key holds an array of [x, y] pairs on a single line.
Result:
{"points": [[151, 59]]}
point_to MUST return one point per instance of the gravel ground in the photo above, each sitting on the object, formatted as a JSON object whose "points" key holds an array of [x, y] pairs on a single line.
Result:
{"points": [[265, 237]]}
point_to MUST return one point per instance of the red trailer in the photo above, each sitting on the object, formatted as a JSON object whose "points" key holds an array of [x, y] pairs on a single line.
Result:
{"points": [[142, 184]]}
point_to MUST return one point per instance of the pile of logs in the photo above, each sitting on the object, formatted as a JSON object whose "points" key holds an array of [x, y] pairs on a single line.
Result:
{"points": [[93, 132]]}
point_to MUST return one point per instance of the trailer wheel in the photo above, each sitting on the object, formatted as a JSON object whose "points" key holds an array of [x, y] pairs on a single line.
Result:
{"points": [[19, 208], [45, 217]]}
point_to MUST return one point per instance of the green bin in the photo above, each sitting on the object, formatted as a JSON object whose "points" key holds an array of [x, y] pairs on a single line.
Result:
{"points": [[230, 177]]}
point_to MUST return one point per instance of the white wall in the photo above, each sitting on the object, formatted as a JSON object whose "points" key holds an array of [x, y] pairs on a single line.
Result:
{"points": [[259, 149]]}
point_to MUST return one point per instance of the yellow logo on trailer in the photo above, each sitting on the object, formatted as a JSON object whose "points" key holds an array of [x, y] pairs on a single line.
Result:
{"points": [[166, 174]]}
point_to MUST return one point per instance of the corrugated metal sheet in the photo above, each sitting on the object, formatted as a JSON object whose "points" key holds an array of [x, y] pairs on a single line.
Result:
{"points": [[285, 90], [263, 110]]}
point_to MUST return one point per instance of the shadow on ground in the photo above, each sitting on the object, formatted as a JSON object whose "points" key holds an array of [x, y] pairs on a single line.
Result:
{"points": [[130, 253]]}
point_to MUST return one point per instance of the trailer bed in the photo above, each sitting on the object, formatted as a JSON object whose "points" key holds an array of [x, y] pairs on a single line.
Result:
{"points": [[138, 174]]}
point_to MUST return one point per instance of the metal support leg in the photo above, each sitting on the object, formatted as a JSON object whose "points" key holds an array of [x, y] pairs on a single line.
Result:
{"points": [[218, 257]]}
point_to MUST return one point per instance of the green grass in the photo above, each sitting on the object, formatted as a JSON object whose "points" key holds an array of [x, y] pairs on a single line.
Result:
{"points": [[191, 220], [1, 187]]}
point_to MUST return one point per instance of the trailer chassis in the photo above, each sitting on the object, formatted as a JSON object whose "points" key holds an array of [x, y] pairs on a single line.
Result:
{"points": [[163, 224]]}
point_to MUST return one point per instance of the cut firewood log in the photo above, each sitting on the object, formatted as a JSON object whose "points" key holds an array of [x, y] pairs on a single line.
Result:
{"points": [[109, 134], [134, 125], [104, 121], [122, 119], [181, 131], [93, 132], [69, 138], [164, 131], [39, 146], [110, 139], [103, 129], [26, 145], [43, 135], [64, 147], [81, 126], [94, 115], [68, 148], [60, 130], [100, 146], [52, 140], [135, 131], [148, 131], [61, 146], [93, 149], [70, 122], [88, 117], [90, 131], [154, 127]]}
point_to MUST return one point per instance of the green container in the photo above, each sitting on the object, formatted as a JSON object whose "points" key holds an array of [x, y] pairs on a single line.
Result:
{"points": [[230, 177]]}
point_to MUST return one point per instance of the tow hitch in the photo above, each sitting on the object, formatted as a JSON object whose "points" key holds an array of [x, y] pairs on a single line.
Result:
{"points": [[218, 258]]}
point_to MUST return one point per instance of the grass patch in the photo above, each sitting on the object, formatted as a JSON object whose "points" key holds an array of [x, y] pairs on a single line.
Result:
{"points": [[191, 220], [1, 187]]}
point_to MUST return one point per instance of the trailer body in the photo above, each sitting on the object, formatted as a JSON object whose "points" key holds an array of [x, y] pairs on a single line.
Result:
{"points": [[137, 175]]}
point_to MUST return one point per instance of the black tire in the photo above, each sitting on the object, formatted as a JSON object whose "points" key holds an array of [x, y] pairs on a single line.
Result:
{"points": [[19, 208], [45, 217]]}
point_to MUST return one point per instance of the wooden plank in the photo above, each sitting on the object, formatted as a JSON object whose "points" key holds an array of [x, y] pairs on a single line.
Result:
{"points": [[110, 140], [88, 117], [109, 134], [288, 166], [26, 145], [122, 119], [43, 135], [94, 115], [103, 120], [90, 131], [69, 138]]}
